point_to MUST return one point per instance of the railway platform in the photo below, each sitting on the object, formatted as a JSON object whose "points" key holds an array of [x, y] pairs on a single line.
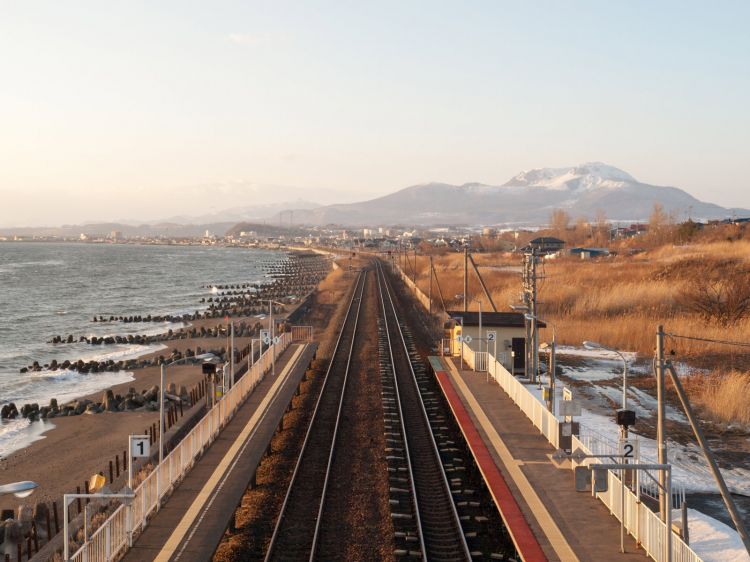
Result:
{"points": [[191, 523], [546, 517]]}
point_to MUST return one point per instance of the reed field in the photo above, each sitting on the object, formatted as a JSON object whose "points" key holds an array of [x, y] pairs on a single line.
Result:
{"points": [[699, 290]]}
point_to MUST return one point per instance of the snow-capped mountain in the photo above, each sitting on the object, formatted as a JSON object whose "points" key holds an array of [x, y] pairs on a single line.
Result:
{"points": [[586, 176], [526, 199]]}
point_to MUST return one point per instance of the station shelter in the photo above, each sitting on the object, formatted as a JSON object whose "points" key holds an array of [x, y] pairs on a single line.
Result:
{"points": [[509, 341]]}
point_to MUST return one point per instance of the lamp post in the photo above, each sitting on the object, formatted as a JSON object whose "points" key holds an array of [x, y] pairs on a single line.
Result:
{"points": [[623, 436], [594, 345]]}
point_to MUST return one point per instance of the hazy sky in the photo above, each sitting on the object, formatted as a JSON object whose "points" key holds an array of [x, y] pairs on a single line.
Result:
{"points": [[125, 109]]}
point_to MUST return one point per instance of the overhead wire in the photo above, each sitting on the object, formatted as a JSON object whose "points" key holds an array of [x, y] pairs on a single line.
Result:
{"points": [[708, 340]]}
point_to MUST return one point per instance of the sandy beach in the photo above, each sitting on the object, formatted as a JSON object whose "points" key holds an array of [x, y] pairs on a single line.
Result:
{"points": [[60, 460], [77, 447]]}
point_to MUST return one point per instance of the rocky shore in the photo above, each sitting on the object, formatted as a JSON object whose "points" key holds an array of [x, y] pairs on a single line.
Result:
{"points": [[100, 423]]}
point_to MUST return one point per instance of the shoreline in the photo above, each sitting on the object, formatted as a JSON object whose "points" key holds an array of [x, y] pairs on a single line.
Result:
{"points": [[55, 456]]}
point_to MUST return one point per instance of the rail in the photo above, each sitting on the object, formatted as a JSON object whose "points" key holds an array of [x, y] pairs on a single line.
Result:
{"points": [[428, 537], [357, 294], [115, 535]]}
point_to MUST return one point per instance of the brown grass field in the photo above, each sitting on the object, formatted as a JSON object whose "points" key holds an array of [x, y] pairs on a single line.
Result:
{"points": [[619, 301]]}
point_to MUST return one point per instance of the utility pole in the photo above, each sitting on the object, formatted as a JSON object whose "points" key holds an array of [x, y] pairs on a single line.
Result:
{"points": [[430, 290], [530, 300], [466, 279], [414, 277], [664, 502], [527, 322]]}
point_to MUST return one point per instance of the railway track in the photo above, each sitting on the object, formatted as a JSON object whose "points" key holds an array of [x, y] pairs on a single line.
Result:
{"points": [[297, 528], [429, 523]]}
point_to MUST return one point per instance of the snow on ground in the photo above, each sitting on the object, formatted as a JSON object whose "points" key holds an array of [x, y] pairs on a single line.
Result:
{"points": [[689, 467], [609, 356], [712, 540]]}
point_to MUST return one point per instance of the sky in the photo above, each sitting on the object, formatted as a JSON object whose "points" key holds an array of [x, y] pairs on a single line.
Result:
{"points": [[120, 110]]}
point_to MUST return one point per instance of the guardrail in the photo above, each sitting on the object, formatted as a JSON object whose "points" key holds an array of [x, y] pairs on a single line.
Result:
{"points": [[115, 534]]}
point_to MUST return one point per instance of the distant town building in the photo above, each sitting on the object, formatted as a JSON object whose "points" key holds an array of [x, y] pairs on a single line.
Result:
{"points": [[116, 235], [545, 245]]}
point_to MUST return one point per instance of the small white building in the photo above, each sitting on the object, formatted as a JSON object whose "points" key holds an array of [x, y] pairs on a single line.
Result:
{"points": [[510, 335]]}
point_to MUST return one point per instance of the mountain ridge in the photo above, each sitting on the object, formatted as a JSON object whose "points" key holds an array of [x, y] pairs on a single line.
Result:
{"points": [[526, 199]]}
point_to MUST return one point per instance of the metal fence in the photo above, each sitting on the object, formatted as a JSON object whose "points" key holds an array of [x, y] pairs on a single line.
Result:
{"points": [[302, 334], [114, 536]]}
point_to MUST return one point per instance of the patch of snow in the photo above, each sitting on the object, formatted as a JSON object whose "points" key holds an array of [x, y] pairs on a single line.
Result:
{"points": [[712, 540], [630, 356], [689, 467], [588, 374]]}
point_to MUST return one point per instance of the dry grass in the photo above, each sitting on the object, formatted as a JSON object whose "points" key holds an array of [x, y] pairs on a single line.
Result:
{"points": [[619, 302], [724, 396]]}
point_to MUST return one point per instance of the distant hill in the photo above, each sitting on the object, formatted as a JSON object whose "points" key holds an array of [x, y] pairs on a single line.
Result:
{"points": [[169, 230], [282, 213], [527, 198]]}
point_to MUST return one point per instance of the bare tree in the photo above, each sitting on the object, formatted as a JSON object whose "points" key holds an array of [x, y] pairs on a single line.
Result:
{"points": [[559, 221], [724, 300]]}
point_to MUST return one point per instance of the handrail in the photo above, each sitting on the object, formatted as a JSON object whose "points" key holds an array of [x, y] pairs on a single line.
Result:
{"points": [[115, 535]]}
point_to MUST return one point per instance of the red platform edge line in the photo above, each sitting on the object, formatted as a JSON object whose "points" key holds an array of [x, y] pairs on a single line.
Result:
{"points": [[523, 538]]}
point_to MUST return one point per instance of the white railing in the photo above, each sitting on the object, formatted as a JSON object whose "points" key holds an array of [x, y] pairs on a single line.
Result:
{"points": [[643, 524], [595, 443], [540, 416], [468, 355], [112, 537]]}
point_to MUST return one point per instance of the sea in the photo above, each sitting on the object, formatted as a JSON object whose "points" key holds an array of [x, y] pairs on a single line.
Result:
{"points": [[49, 289]]}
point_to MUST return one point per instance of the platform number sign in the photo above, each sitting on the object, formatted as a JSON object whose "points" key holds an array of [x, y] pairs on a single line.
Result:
{"points": [[629, 449], [265, 336], [139, 446], [491, 336]]}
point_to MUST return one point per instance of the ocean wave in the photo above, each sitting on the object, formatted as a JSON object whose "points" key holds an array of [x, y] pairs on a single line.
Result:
{"points": [[121, 352], [17, 434], [63, 385]]}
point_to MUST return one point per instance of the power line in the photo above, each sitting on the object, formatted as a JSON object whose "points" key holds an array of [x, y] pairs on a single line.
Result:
{"points": [[709, 340]]}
